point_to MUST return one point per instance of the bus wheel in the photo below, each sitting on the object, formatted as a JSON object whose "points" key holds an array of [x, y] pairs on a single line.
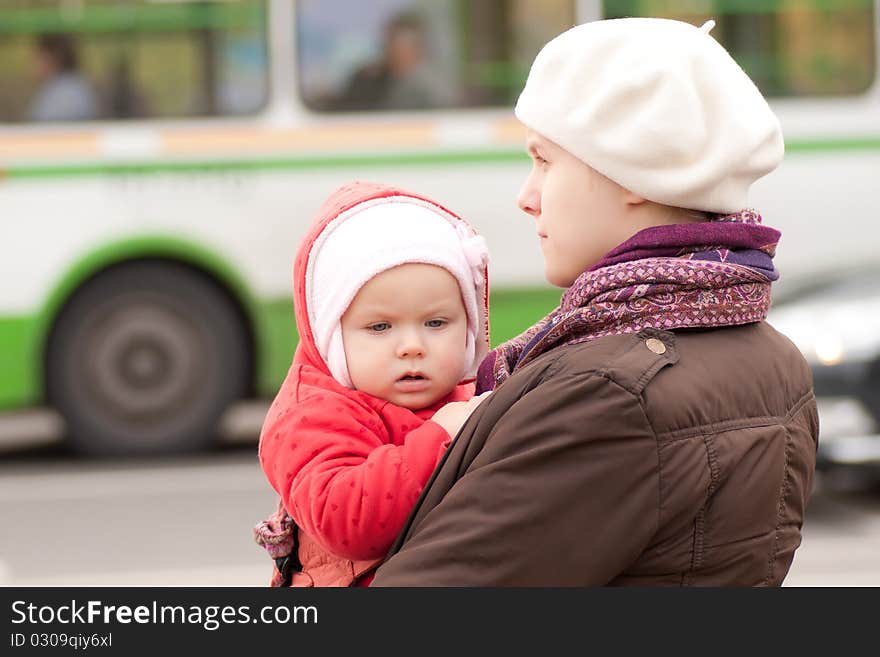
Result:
{"points": [[144, 359]]}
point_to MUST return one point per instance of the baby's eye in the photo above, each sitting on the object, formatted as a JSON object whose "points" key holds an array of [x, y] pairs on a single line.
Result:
{"points": [[378, 327], [435, 323]]}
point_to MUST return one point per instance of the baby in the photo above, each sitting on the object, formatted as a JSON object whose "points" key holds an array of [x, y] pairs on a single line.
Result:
{"points": [[391, 303]]}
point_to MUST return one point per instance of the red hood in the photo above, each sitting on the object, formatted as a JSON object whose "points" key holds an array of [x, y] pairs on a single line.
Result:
{"points": [[342, 200]]}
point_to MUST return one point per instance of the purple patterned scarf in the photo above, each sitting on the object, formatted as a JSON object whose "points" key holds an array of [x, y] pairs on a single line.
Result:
{"points": [[714, 273]]}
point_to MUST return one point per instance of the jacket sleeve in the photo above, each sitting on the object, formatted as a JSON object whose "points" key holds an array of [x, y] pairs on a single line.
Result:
{"points": [[564, 491], [341, 482]]}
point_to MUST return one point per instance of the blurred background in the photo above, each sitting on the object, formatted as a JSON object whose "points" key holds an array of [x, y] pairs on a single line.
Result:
{"points": [[160, 159]]}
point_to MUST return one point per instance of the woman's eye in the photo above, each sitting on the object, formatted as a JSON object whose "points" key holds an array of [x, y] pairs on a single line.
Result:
{"points": [[435, 323], [379, 327]]}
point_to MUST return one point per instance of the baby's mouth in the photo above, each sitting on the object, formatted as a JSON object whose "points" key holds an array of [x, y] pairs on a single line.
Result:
{"points": [[412, 382]]}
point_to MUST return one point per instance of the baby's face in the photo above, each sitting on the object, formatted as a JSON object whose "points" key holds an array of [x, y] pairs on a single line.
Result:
{"points": [[405, 335]]}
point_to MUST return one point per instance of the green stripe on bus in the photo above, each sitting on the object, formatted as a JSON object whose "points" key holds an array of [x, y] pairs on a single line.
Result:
{"points": [[20, 362], [22, 339], [124, 18], [352, 161], [281, 337], [512, 310], [839, 144], [223, 165]]}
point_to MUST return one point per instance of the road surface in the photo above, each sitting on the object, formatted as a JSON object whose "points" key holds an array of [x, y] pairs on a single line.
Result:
{"points": [[187, 522]]}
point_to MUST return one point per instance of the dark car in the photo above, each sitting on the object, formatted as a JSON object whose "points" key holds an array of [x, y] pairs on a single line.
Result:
{"points": [[836, 324]]}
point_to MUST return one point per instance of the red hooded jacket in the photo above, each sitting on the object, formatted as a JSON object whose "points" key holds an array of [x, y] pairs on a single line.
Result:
{"points": [[348, 466]]}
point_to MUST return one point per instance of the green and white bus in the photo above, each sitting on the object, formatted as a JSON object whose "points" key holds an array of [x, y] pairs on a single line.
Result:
{"points": [[152, 201]]}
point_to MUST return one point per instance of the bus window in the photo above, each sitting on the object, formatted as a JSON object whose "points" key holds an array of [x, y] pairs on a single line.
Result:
{"points": [[414, 54], [119, 59], [803, 48]]}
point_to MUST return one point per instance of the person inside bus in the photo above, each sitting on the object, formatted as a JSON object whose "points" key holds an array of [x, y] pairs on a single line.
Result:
{"points": [[400, 79], [391, 305], [63, 94], [653, 430]]}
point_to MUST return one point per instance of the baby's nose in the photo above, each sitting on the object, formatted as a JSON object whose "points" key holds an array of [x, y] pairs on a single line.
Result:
{"points": [[411, 347]]}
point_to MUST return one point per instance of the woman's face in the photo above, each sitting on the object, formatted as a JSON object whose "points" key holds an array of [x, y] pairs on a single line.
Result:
{"points": [[579, 214]]}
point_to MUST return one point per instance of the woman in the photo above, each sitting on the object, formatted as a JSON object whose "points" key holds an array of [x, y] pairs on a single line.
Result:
{"points": [[653, 429]]}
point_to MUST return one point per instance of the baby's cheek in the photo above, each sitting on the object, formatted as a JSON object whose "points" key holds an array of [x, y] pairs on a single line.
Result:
{"points": [[453, 365]]}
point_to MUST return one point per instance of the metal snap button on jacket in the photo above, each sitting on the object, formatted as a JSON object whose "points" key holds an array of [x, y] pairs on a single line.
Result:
{"points": [[655, 345]]}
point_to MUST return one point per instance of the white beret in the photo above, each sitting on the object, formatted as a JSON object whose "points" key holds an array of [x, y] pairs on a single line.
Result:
{"points": [[659, 107]]}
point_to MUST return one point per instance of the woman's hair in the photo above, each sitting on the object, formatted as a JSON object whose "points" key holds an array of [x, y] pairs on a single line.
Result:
{"points": [[695, 215]]}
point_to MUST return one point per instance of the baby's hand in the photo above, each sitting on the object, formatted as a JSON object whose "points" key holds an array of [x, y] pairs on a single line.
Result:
{"points": [[454, 414]]}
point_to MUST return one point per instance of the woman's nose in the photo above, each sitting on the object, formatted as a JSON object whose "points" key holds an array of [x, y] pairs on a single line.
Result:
{"points": [[529, 197]]}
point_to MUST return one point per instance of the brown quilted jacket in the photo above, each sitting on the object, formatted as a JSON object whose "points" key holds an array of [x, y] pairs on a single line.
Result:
{"points": [[625, 461]]}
